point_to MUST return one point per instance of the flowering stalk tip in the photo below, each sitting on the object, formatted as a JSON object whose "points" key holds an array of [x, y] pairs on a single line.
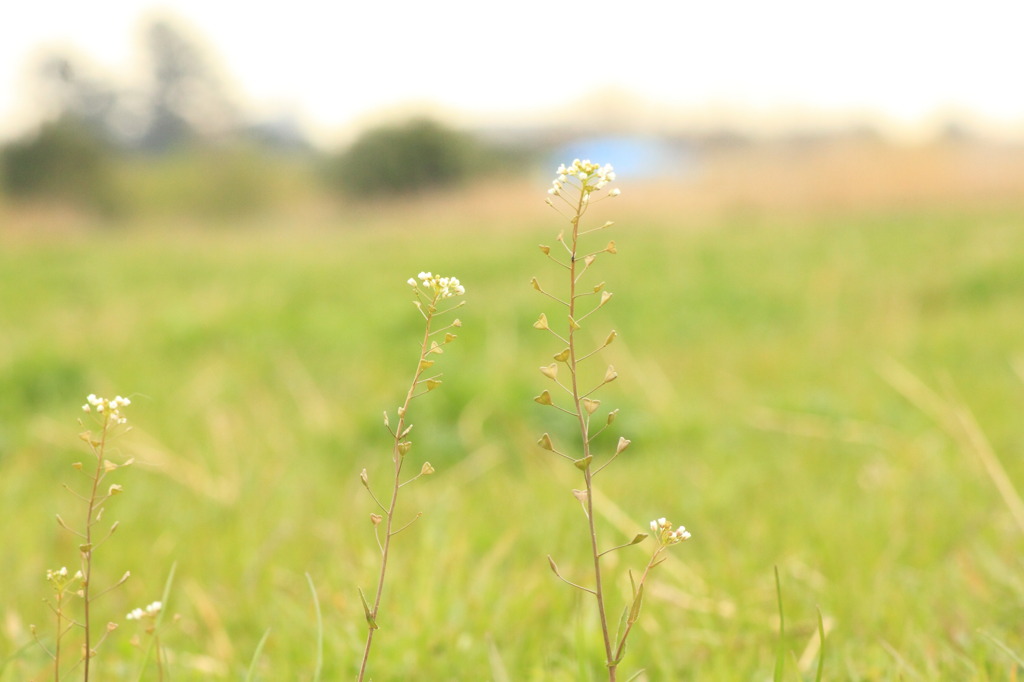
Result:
{"points": [[662, 530]]}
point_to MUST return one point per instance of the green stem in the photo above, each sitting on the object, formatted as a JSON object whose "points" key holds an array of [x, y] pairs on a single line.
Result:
{"points": [[629, 625], [87, 554], [56, 646], [397, 458], [584, 428]]}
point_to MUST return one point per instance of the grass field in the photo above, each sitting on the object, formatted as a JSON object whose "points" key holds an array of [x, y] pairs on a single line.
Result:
{"points": [[811, 391]]}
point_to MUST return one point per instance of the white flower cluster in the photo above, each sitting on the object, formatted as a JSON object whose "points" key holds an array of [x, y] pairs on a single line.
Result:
{"points": [[149, 612], [662, 529], [111, 408], [60, 576], [444, 287], [591, 177]]}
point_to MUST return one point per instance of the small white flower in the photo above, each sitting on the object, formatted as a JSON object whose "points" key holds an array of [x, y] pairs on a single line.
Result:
{"points": [[61, 572], [149, 612], [110, 408], [590, 178], [662, 529], [443, 287]]}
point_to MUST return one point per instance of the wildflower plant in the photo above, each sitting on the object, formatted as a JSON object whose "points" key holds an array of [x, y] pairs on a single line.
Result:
{"points": [[149, 619], [432, 294], [576, 188], [109, 421]]}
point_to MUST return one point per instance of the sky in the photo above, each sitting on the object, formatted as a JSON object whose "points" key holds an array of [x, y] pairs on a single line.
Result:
{"points": [[333, 65]]}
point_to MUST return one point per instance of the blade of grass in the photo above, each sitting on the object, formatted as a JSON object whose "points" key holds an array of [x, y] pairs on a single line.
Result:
{"points": [[250, 674], [164, 598], [319, 631], [780, 652], [1006, 650], [498, 670], [821, 647], [953, 416]]}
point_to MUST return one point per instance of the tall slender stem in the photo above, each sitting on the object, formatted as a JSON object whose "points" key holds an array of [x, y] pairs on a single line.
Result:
{"points": [[87, 552], [397, 458], [585, 437], [629, 624], [56, 646]]}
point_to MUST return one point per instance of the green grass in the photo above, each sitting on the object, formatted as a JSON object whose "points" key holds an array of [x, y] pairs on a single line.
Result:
{"points": [[752, 361]]}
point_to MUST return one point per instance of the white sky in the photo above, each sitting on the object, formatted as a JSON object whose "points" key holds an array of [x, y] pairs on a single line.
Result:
{"points": [[332, 63]]}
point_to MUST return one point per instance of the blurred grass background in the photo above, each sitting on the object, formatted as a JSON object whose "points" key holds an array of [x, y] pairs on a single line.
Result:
{"points": [[765, 341]]}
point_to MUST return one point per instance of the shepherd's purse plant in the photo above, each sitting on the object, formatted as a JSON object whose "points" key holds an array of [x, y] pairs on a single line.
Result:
{"points": [[577, 381], [432, 297]]}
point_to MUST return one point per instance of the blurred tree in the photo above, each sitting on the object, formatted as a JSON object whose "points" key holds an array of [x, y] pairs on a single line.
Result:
{"points": [[185, 98], [69, 91], [403, 159], [63, 161]]}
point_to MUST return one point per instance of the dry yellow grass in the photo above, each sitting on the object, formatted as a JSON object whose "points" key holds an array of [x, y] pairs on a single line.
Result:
{"points": [[857, 175]]}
